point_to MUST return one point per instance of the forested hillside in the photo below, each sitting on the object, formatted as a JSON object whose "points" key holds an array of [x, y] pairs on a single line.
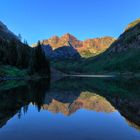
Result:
{"points": [[18, 56]]}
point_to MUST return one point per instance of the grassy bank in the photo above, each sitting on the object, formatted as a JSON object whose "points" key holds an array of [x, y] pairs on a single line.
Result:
{"points": [[10, 71], [126, 63]]}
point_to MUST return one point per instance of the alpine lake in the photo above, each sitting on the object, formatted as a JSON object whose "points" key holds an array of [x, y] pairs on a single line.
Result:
{"points": [[72, 108]]}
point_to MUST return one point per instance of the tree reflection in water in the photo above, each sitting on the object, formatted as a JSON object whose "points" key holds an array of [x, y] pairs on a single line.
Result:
{"points": [[71, 94]]}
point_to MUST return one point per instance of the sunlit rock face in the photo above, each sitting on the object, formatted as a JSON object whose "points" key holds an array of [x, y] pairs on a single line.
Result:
{"points": [[89, 47], [57, 42], [95, 46], [86, 100]]}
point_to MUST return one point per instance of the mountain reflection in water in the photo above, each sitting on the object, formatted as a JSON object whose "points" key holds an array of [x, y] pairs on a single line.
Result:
{"points": [[69, 95]]}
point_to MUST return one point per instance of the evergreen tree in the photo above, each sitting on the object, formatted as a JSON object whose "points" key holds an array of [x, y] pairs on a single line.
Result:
{"points": [[12, 53], [15, 53], [20, 37], [39, 63], [23, 56]]}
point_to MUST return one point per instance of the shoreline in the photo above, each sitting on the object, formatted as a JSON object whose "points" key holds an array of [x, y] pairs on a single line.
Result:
{"points": [[21, 78], [54, 77]]}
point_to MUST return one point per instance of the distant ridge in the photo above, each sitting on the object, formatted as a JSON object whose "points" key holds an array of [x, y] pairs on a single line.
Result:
{"points": [[5, 33], [87, 48]]}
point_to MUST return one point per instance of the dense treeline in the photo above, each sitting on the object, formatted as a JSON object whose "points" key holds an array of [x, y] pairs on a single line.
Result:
{"points": [[15, 53], [39, 63]]}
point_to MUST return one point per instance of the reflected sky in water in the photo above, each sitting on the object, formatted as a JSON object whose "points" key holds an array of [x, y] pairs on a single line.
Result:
{"points": [[85, 109]]}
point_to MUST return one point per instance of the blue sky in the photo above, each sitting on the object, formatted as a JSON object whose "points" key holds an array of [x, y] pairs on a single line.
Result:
{"points": [[41, 19]]}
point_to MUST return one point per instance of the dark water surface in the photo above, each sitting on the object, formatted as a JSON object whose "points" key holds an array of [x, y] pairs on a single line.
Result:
{"points": [[70, 109]]}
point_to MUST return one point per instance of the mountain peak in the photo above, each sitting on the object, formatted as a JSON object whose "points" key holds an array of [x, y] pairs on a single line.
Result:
{"points": [[67, 34], [132, 24], [54, 37], [129, 39], [87, 47], [68, 37]]}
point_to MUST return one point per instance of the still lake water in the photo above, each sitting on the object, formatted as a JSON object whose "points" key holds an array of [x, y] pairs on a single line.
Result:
{"points": [[70, 109]]}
